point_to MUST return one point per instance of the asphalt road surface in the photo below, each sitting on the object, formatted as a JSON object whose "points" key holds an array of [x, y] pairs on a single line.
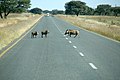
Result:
{"points": [[58, 57]]}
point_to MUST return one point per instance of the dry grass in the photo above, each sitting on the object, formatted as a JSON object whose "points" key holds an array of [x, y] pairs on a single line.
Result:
{"points": [[13, 27], [105, 25]]}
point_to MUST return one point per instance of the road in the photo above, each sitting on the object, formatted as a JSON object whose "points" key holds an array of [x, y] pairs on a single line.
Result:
{"points": [[58, 57]]}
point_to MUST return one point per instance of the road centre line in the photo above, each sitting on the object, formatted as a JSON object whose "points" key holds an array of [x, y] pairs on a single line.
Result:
{"points": [[19, 39], [93, 66], [56, 26], [81, 54], [75, 47], [70, 41], [66, 38], [64, 35]]}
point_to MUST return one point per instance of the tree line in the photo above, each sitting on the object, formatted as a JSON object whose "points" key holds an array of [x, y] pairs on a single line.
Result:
{"points": [[80, 8], [40, 11], [71, 8]]}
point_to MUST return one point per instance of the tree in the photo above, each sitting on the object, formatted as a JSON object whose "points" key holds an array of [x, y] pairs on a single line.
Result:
{"points": [[60, 12], [1, 8], [55, 11], [116, 11], [36, 10], [103, 9], [47, 11], [88, 11], [7, 6], [75, 7]]}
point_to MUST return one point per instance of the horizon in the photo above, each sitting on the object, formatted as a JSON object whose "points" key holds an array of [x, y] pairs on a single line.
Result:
{"points": [[59, 5]]}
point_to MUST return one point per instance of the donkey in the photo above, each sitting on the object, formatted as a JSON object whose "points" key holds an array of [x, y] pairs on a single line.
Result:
{"points": [[44, 33], [34, 34], [72, 32]]}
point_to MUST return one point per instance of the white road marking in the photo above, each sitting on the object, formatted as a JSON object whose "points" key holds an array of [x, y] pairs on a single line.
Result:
{"points": [[81, 54], [67, 38], [70, 41], [75, 47], [93, 66], [56, 26], [19, 39]]}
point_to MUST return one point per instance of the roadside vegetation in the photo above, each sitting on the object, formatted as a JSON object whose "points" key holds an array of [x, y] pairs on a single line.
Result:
{"points": [[80, 8], [108, 26], [15, 19], [13, 27], [13, 6], [104, 19]]}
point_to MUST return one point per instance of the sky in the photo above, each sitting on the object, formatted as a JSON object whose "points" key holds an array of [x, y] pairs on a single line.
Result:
{"points": [[59, 4]]}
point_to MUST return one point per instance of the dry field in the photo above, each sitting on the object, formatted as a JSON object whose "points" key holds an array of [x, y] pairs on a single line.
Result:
{"points": [[108, 26], [13, 27]]}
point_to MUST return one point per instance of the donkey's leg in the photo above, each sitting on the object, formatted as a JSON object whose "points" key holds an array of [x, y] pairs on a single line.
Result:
{"points": [[41, 35], [45, 35], [69, 34], [75, 34], [31, 35]]}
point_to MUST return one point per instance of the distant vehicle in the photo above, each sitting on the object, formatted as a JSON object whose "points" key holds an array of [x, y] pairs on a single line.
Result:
{"points": [[48, 14]]}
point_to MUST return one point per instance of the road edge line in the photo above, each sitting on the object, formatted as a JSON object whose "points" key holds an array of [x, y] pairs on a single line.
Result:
{"points": [[6, 50]]}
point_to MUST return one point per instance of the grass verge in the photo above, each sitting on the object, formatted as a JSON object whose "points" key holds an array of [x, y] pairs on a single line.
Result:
{"points": [[13, 27], [108, 26]]}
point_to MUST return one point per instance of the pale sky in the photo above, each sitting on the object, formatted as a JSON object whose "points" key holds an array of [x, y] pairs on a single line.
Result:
{"points": [[59, 4]]}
